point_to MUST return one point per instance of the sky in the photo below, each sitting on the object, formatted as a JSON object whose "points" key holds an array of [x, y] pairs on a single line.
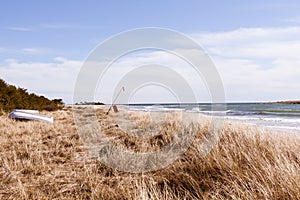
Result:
{"points": [[254, 44]]}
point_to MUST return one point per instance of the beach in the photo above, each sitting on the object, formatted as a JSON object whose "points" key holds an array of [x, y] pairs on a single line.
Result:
{"points": [[54, 161], [147, 100]]}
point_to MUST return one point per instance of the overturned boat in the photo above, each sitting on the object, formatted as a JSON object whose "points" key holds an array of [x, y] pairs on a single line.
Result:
{"points": [[29, 115]]}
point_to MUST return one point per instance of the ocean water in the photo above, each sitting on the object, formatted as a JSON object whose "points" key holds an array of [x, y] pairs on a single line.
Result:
{"points": [[279, 117]]}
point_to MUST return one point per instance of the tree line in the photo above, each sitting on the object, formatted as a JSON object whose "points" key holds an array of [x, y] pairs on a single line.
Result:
{"points": [[18, 98]]}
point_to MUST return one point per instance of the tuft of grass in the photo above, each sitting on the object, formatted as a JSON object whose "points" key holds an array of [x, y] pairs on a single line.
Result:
{"points": [[49, 161]]}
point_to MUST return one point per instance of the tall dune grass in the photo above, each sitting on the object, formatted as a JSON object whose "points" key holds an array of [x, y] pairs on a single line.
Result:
{"points": [[48, 161]]}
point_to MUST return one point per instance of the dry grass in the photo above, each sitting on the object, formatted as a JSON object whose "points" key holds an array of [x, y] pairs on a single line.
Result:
{"points": [[48, 161]]}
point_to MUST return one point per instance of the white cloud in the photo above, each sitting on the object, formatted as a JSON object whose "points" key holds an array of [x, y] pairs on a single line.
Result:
{"points": [[41, 26], [256, 64], [19, 28], [54, 80], [32, 50], [125, 66]]}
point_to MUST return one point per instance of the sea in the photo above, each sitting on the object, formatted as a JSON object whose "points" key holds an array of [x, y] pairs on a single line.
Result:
{"points": [[278, 117]]}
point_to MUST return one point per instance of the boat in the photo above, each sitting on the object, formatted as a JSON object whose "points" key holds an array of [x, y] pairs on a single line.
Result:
{"points": [[27, 111], [29, 115]]}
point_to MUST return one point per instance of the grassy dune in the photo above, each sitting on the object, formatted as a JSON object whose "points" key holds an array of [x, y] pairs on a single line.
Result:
{"points": [[48, 161]]}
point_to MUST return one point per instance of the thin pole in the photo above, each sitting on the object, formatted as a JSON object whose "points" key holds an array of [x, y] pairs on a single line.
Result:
{"points": [[122, 89]]}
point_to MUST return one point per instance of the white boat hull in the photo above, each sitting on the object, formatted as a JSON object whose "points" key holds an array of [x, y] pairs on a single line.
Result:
{"points": [[29, 115]]}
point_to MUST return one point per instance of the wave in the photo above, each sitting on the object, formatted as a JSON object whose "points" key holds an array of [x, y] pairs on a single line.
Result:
{"points": [[271, 116], [284, 128], [154, 108]]}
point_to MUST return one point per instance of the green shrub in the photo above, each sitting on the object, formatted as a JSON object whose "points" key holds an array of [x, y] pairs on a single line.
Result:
{"points": [[18, 98]]}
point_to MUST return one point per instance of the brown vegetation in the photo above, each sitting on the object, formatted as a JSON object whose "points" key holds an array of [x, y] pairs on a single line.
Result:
{"points": [[48, 161], [286, 102]]}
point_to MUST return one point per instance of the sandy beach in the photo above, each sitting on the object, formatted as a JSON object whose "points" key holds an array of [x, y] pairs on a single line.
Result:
{"points": [[148, 100], [52, 161]]}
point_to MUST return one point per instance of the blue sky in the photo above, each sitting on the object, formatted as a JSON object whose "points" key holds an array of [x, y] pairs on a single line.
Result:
{"points": [[244, 38]]}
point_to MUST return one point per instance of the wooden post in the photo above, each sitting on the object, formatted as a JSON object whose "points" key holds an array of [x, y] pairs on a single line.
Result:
{"points": [[113, 103]]}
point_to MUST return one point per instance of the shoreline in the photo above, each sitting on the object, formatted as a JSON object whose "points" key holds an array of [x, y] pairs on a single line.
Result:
{"points": [[272, 123], [42, 161]]}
